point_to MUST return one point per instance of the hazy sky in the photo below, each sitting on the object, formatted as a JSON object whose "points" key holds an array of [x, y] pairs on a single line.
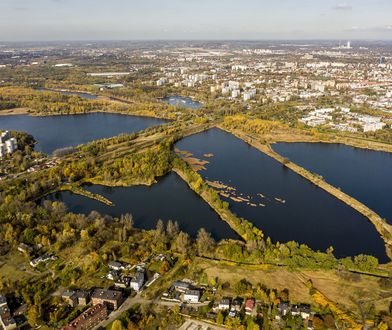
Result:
{"points": [[194, 19]]}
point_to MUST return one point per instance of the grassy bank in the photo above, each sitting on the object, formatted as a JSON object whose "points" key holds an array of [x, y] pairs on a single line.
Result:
{"points": [[384, 229], [242, 227], [273, 132], [80, 191]]}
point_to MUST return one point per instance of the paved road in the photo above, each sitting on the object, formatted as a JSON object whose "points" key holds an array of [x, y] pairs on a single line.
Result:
{"points": [[130, 301], [127, 304]]}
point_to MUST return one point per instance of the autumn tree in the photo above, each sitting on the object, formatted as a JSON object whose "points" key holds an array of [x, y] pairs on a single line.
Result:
{"points": [[205, 243]]}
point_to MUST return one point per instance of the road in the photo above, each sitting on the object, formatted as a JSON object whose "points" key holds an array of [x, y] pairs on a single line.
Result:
{"points": [[130, 301], [127, 304]]}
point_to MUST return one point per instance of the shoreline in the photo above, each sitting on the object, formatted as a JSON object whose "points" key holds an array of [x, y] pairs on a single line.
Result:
{"points": [[32, 113], [383, 228], [225, 216]]}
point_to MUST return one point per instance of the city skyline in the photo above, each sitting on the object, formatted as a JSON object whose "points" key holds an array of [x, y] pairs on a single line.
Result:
{"points": [[57, 20]]}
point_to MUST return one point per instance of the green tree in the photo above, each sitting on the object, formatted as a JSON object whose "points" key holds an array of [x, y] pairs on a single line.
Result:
{"points": [[117, 325]]}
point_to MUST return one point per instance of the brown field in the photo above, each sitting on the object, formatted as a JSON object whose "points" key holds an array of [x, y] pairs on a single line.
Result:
{"points": [[16, 111], [345, 293]]}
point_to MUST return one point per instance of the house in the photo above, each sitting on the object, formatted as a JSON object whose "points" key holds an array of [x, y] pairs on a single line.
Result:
{"points": [[70, 298], [3, 301], [83, 297], [123, 282], [181, 286], [304, 311], [8, 144], [6, 319], [237, 304], [113, 275], [192, 296], [89, 319], [137, 281], [283, 308], [114, 265], [78, 298], [45, 258], [224, 304], [295, 310], [249, 306], [24, 248], [111, 298]]}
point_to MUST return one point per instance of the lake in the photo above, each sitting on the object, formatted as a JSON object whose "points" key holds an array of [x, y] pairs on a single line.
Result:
{"points": [[364, 174], [81, 94], [170, 198], [280, 202], [186, 102], [55, 132]]}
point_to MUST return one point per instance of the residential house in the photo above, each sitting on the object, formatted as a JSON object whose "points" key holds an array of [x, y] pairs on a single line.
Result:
{"points": [[123, 282], [181, 286], [237, 304], [24, 248], [111, 298], [76, 298], [249, 306], [305, 311], [224, 304], [114, 265], [137, 281], [283, 308], [192, 296], [6, 319], [89, 319]]}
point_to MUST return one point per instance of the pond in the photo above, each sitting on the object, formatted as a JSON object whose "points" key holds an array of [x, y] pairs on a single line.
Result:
{"points": [[278, 201], [186, 102], [363, 174], [55, 132], [170, 198]]}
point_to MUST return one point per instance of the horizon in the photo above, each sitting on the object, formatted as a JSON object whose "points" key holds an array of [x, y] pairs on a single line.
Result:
{"points": [[70, 20]]}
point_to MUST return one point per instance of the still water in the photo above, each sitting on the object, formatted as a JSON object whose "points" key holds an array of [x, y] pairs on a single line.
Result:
{"points": [[55, 132], [364, 174], [170, 198], [280, 202]]}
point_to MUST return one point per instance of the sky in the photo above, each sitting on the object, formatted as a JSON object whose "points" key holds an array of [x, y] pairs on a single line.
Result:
{"points": [[44, 20]]}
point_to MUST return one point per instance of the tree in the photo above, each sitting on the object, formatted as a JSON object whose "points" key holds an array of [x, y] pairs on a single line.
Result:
{"points": [[220, 318], [127, 222], [159, 230], [183, 243], [117, 325], [172, 228], [205, 243], [33, 315], [242, 287]]}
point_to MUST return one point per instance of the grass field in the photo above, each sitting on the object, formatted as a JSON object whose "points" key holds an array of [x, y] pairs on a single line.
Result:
{"points": [[15, 267], [345, 293]]}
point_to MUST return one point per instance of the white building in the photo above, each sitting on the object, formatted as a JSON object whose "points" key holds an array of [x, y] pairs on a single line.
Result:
{"points": [[249, 94], [235, 93], [234, 85], [63, 65], [161, 81], [137, 281], [192, 296], [372, 127], [8, 144], [224, 304]]}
